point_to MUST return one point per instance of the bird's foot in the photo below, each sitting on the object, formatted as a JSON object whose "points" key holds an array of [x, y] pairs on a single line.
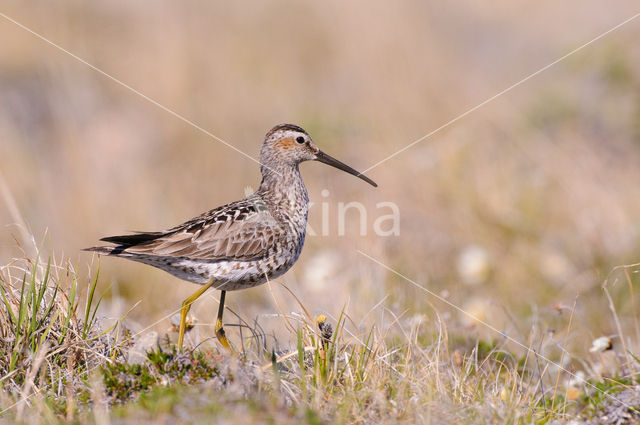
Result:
{"points": [[220, 334]]}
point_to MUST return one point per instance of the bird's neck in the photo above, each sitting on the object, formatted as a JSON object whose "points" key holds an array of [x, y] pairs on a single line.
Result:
{"points": [[283, 189]]}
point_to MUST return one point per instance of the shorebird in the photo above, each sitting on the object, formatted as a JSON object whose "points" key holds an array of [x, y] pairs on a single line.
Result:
{"points": [[242, 244]]}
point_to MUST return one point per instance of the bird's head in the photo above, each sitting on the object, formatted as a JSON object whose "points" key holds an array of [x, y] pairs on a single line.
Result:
{"points": [[288, 144]]}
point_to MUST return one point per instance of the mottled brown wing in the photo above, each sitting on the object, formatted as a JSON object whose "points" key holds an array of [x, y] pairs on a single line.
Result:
{"points": [[235, 239]]}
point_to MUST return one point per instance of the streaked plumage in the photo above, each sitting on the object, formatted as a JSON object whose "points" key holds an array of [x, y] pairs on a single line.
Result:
{"points": [[244, 243], [238, 245]]}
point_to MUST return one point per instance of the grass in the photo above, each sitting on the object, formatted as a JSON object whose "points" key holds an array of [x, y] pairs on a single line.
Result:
{"points": [[59, 365], [51, 339]]}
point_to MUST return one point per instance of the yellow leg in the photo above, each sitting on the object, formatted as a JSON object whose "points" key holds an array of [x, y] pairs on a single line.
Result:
{"points": [[186, 306], [219, 329]]}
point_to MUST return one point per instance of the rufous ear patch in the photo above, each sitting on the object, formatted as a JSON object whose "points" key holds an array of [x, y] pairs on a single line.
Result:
{"points": [[285, 143]]}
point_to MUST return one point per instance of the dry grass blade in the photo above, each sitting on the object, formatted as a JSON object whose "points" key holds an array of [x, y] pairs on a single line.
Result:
{"points": [[29, 381]]}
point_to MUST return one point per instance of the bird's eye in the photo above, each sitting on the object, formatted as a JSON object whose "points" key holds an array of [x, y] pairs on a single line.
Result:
{"points": [[300, 139]]}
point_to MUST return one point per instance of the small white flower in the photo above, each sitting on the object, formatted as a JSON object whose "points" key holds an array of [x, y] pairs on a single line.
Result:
{"points": [[577, 380], [601, 344], [477, 310], [474, 265]]}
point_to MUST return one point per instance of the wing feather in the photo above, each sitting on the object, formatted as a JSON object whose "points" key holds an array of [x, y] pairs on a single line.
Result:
{"points": [[235, 232]]}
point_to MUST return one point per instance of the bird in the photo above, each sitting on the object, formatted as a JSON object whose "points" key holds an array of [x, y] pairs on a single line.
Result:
{"points": [[241, 244]]}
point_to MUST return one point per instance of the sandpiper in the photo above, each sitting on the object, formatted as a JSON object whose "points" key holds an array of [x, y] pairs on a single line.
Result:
{"points": [[244, 243]]}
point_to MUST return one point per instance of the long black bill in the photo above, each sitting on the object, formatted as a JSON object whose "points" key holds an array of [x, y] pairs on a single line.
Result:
{"points": [[323, 157]]}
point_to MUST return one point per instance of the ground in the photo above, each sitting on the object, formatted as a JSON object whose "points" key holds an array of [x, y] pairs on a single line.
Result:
{"points": [[61, 365]]}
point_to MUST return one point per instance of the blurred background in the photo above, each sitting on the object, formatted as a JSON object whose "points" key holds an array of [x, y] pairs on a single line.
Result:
{"points": [[513, 213]]}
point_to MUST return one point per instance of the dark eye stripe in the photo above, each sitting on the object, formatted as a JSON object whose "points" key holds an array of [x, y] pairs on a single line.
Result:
{"points": [[300, 139]]}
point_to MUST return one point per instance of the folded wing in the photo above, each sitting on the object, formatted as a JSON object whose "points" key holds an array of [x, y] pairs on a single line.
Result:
{"points": [[236, 232]]}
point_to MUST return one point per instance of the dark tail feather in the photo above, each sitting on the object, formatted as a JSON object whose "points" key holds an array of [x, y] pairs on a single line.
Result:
{"points": [[123, 242], [135, 239]]}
